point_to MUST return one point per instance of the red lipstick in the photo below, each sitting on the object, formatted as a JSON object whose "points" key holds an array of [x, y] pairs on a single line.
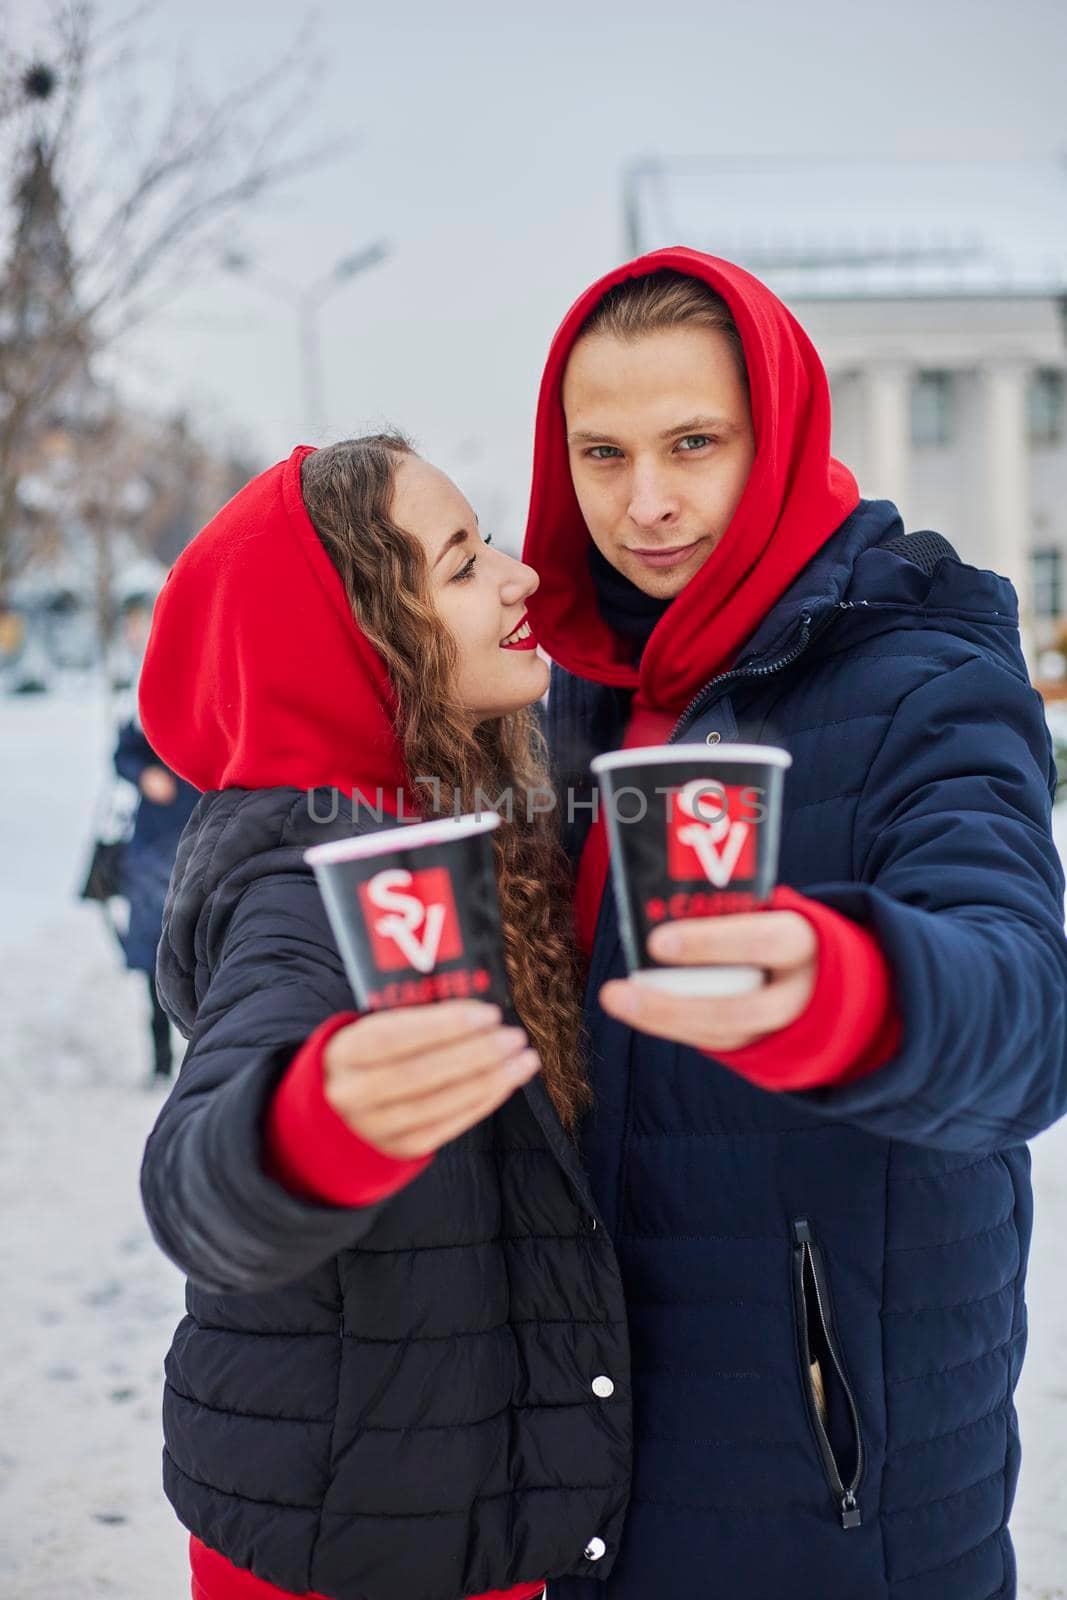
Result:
{"points": [[528, 643]]}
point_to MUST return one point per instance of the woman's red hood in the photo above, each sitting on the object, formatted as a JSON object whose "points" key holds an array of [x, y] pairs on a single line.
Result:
{"points": [[256, 674], [795, 497]]}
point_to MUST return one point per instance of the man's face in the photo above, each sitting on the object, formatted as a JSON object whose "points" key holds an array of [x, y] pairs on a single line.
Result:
{"points": [[659, 434]]}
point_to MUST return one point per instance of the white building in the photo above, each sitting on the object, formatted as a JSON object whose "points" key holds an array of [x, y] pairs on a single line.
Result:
{"points": [[936, 293]]}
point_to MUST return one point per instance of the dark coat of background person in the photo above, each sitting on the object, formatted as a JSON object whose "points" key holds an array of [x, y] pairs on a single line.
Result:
{"points": [[149, 855], [389, 1402], [918, 804]]}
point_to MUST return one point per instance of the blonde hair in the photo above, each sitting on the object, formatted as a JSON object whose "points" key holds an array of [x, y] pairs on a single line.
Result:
{"points": [[663, 299]]}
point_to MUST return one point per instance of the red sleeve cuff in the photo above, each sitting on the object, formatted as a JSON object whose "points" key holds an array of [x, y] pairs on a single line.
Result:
{"points": [[850, 1026], [311, 1151]]}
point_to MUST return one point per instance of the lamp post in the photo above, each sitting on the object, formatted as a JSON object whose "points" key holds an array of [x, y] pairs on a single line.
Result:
{"points": [[307, 303]]}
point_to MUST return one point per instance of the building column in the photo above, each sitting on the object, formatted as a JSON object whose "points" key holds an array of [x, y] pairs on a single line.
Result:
{"points": [[887, 474], [1005, 455]]}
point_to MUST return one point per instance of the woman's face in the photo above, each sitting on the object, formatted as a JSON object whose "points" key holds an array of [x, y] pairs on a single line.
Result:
{"points": [[480, 593]]}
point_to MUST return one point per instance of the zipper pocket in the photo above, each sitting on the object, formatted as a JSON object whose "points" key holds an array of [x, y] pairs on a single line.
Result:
{"points": [[818, 1342]]}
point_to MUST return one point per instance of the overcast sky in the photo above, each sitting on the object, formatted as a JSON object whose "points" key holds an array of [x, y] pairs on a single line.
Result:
{"points": [[491, 142]]}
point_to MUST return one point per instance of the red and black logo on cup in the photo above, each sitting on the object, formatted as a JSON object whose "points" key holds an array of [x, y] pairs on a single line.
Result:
{"points": [[416, 913], [411, 917], [712, 832], [693, 833]]}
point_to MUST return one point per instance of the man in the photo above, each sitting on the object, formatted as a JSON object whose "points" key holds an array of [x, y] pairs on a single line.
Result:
{"points": [[819, 1193]]}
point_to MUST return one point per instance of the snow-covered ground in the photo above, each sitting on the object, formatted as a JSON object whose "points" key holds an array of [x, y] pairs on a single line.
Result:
{"points": [[89, 1304]]}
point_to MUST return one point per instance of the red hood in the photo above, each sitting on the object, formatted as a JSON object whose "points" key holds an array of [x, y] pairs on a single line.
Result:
{"points": [[796, 496], [256, 674]]}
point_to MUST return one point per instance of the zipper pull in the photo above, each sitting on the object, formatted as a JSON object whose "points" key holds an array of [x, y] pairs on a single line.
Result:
{"points": [[850, 1511]]}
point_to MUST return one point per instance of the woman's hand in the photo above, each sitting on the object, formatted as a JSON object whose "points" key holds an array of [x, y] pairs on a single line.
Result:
{"points": [[158, 785], [410, 1080]]}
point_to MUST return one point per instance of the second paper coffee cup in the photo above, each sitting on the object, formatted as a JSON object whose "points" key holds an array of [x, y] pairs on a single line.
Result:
{"points": [[415, 911], [693, 832]]}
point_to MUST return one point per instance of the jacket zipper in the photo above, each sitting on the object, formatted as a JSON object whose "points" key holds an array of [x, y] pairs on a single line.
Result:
{"points": [[806, 1254], [807, 635]]}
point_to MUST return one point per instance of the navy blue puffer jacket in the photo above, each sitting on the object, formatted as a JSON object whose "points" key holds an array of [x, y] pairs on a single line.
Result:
{"points": [[884, 1225]]}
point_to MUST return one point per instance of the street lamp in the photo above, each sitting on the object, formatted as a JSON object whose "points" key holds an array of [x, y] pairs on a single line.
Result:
{"points": [[308, 302]]}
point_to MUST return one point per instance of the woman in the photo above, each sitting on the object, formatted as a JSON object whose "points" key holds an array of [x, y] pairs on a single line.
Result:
{"points": [[403, 1372]]}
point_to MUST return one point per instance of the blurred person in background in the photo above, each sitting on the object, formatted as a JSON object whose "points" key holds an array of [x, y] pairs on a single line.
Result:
{"points": [[165, 804], [394, 1378], [820, 1191]]}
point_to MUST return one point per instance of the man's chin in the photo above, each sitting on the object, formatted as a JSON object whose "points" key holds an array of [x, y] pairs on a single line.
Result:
{"points": [[662, 583]]}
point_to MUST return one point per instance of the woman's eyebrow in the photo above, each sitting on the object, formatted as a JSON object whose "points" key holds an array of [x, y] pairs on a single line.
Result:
{"points": [[459, 537]]}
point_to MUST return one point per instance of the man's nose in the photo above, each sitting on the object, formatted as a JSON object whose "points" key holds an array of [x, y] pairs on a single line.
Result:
{"points": [[651, 502]]}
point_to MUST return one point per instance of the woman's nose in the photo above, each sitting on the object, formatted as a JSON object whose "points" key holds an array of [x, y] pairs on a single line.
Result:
{"points": [[520, 579]]}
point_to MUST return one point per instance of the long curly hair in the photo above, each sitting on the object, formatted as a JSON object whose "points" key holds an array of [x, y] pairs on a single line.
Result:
{"points": [[348, 490]]}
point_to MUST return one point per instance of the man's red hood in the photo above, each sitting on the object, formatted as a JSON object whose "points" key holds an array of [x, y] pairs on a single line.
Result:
{"points": [[796, 496], [256, 674]]}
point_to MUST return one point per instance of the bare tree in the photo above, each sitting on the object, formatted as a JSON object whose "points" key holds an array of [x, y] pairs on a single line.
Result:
{"points": [[84, 262]]}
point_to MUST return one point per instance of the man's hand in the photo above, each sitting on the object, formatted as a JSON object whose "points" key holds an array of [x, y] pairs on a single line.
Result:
{"points": [[157, 784], [782, 942]]}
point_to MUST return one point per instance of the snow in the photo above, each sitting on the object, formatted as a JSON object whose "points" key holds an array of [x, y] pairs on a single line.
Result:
{"points": [[89, 1303]]}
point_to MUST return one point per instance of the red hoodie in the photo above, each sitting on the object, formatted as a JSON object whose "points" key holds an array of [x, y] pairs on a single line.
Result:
{"points": [[257, 676], [795, 497]]}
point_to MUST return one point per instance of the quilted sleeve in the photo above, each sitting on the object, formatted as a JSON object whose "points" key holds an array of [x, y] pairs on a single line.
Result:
{"points": [[211, 1205], [956, 875]]}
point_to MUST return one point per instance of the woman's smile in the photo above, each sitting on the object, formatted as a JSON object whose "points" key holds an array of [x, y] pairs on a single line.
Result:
{"points": [[520, 637]]}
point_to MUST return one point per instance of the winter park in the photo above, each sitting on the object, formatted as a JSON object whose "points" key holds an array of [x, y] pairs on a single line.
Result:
{"points": [[600, 1162]]}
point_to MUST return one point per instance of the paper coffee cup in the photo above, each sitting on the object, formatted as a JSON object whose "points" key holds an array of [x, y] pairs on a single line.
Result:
{"points": [[693, 832], [415, 912]]}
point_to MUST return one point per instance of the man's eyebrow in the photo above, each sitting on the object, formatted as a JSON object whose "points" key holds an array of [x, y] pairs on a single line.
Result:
{"points": [[698, 425], [585, 436], [691, 425], [459, 537]]}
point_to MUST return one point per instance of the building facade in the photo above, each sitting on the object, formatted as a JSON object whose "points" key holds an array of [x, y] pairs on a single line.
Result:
{"points": [[936, 294]]}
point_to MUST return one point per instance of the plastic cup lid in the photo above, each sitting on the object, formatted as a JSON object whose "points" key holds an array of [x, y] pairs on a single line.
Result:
{"points": [[405, 836], [701, 754]]}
